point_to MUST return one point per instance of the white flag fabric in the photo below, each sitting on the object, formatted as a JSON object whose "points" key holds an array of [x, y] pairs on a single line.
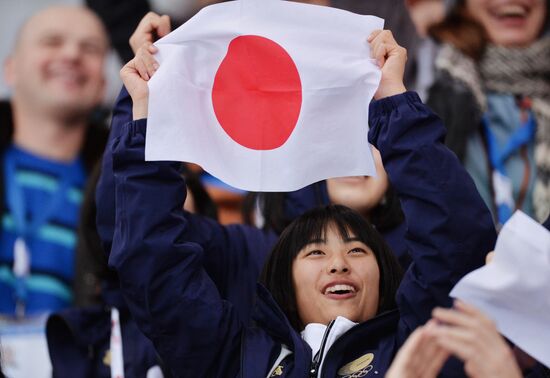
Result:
{"points": [[514, 289], [266, 95]]}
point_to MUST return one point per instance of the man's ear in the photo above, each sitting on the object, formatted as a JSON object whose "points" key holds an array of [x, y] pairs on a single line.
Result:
{"points": [[9, 71]]}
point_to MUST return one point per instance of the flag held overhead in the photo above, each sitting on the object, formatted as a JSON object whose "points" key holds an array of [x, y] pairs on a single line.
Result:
{"points": [[266, 95]]}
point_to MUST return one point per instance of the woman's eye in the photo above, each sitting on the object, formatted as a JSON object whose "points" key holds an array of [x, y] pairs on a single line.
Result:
{"points": [[315, 253], [357, 250]]}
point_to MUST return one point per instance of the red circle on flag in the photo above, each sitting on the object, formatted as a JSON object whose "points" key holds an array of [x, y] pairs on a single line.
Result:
{"points": [[257, 93]]}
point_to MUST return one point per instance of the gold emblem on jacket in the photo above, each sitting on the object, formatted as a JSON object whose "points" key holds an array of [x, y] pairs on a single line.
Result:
{"points": [[277, 372], [357, 368], [107, 358]]}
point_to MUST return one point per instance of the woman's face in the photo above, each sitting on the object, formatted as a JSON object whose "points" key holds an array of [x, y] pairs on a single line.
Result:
{"points": [[360, 193], [335, 277], [509, 23]]}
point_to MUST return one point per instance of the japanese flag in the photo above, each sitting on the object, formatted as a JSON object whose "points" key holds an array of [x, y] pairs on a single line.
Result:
{"points": [[266, 95]]}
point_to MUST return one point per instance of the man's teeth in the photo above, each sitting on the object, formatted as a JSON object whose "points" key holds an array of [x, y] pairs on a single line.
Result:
{"points": [[340, 289], [66, 75], [512, 10]]}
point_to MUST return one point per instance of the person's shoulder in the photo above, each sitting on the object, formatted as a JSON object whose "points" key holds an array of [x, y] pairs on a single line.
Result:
{"points": [[446, 86]]}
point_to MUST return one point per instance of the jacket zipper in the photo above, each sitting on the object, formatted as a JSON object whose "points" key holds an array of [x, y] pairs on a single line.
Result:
{"points": [[315, 364]]}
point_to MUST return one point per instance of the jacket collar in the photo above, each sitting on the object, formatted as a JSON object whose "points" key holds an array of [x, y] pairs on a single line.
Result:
{"points": [[269, 316], [381, 329]]}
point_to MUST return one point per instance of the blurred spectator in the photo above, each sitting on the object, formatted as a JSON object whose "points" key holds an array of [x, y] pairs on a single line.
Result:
{"points": [[49, 145], [492, 89]]}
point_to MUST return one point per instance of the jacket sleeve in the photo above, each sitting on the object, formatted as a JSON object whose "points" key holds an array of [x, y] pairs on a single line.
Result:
{"points": [[234, 255], [105, 190], [170, 295], [449, 228]]}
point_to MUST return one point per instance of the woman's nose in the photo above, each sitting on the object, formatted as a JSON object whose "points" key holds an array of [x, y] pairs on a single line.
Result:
{"points": [[338, 265]]}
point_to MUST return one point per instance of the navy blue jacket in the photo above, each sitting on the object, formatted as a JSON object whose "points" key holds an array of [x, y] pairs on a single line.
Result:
{"points": [[162, 255], [79, 340]]}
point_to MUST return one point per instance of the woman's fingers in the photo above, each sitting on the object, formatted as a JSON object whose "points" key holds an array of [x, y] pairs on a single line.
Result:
{"points": [[435, 362], [164, 27], [457, 341], [151, 27], [472, 337], [391, 58], [379, 53], [453, 317], [145, 62], [420, 356], [403, 363], [373, 35], [471, 311], [136, 87]]}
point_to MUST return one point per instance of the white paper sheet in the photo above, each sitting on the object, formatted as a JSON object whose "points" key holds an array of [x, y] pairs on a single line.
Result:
{"points": [[514, 289]]}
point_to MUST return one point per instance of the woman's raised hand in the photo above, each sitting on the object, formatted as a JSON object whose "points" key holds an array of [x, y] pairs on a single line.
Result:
{"points": [[139, 70], [135, 75], [391, 59]]}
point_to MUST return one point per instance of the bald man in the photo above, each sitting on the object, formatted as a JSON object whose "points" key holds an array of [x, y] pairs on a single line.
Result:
{"points": [[48, 147]]}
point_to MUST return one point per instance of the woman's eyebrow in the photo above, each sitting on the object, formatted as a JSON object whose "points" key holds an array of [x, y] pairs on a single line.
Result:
{"points": [[324, 241], [316, 241], [352, 239]]}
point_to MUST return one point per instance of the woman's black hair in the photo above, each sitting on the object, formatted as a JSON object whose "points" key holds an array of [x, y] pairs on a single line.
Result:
{"points": [[204, 205], [277, 273], [384, 216]]}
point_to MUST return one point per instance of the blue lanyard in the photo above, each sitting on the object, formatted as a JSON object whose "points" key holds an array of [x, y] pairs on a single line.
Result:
{"points": [[497, 156], [522, 136]]}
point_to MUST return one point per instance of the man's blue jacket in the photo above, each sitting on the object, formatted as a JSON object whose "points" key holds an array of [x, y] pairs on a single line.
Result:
{"points": [[176, 270]]}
